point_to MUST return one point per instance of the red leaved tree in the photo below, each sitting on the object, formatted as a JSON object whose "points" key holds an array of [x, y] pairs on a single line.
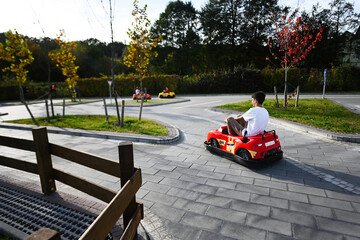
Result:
{"points": [[293, 41]]}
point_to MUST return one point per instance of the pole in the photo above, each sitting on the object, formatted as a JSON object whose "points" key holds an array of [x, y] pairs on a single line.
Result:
{"points": [[47, 110], [63, 107], [106, 113], [122, 113], [323, 96]]}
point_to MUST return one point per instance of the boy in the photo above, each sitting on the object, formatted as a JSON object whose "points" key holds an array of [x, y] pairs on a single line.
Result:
{"points": [[254, 121]]}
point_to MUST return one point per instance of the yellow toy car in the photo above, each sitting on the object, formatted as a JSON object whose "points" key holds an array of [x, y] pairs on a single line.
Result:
{"points": [[164, 94]]}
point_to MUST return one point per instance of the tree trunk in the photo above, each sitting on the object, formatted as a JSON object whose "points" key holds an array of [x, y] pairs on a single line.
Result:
{"points": [[285, 85]]}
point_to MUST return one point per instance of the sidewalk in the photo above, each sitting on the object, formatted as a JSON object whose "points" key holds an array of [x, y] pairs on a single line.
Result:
{"points": [[246, 198]]}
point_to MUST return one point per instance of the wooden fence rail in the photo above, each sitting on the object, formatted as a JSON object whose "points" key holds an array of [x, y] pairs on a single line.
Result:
{"points": [[120, 203]]}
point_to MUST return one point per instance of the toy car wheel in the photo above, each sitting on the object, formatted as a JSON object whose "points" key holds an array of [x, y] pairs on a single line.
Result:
{"points": [[214, 143], [243, 153]]}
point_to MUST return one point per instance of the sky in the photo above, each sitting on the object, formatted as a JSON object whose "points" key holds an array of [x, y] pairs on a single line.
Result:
{"points": [[83, 19]]}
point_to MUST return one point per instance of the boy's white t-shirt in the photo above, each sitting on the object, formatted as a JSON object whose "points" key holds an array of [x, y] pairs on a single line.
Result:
{"points": [[257, 118]]}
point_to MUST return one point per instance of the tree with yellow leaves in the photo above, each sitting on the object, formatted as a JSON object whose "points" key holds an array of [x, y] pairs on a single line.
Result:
{"points": [[140, 49], [65, 60], [17, 53]]}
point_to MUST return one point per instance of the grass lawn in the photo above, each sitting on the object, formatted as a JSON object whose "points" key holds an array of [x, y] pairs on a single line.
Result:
{"points": [[320, 113], [98, 123]]}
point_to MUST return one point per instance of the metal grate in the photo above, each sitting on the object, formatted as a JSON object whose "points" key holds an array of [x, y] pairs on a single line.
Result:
{"points": [[29, 214]]}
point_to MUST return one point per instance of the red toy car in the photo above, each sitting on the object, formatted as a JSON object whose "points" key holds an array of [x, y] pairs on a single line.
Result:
{"points": [[249, 151], [147, 96]]}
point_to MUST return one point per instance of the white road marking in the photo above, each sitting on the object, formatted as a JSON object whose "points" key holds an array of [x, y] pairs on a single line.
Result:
{"points": [[199, 104]]}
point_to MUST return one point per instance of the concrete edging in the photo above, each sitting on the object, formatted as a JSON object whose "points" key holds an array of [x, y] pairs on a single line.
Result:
{"points": [[173, 136]]}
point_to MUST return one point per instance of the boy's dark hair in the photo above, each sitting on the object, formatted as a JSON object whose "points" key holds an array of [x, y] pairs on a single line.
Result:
{"points": [[259, 96]]}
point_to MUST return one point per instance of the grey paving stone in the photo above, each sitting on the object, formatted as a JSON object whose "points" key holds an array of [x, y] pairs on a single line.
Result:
{"points": [[255, 175], [187, 171], [167, 212], [214, 200], [242, 232], [201, 221], [269, 201], [293, 217], [213, 175], [356, 206], [233, 194], [220, 183], [194, 179], [347, 216], [177, 183], [203, 168], [191, 206], [270, 184], [219, 164], [276, 236], [163, 167], [301, 232], [339, 226], [309, 208], [289, 195], [327, 202], [323, 185], [252, 189], [287, 179], [206, 235], [160, 198], [238, 179], [183, 193], [180, 231], [269, 224], [203, 188], [343, 196], [235, 172], [155, 187], [226, 214], [168, 174], [306, 190], [249, 207]]}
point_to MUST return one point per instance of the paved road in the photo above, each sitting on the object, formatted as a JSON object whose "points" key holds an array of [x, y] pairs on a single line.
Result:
{"points": [[311, 194]]}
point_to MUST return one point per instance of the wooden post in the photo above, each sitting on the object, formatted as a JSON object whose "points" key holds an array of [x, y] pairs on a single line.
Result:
{"points": [[63, 107], [43, 157], [52, 106], [117, 109], [276, 96], [106, 113], [47, 110], [141, 107], [126, 159], [28, 109], [297, 96], [122, 113]]}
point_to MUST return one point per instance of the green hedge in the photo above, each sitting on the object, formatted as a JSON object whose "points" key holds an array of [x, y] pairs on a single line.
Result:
{"points": [[239, 81]]}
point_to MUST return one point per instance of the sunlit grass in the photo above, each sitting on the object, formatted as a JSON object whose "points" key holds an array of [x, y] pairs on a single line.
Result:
{"points": [[320, 113], [98, 123]]}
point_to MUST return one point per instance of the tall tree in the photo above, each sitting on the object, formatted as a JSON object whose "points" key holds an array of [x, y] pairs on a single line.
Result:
{"points": [[343, 17], [177, 25], [140, 49], [65, 60], [16, 52], [293, 43]]}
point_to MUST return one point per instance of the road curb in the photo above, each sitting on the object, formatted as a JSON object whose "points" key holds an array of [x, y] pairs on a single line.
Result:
{"points": [[153, 105], [172, 137], [354, 138]]}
